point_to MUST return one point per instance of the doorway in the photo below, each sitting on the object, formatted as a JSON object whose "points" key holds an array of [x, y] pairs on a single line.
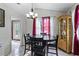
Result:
{"points": [[16, 30], [16, 37]]}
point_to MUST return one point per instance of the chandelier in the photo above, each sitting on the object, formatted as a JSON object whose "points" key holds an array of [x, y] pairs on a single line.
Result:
{"points": [[31, 14]]}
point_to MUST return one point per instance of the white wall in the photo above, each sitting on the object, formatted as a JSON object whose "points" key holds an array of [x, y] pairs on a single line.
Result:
{"points": [[5, 32]]}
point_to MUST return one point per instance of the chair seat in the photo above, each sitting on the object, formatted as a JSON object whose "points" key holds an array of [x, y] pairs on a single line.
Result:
{"points": [[51, 45]]}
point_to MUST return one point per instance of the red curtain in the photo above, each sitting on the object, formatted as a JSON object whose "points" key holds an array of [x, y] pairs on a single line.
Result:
{"points": [[34, 27], [76, 24], [46, 25]]}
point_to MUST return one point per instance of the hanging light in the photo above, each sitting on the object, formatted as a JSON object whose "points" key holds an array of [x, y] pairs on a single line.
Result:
{"points": [[31, 14]]}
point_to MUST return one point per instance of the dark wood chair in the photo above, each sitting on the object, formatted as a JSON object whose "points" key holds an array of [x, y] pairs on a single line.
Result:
{"points": [[43, 34], [27, 42], [37, 47], [53, 45]]}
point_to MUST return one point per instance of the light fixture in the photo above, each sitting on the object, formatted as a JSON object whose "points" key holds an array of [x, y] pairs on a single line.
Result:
{"points": [[31, 14]]}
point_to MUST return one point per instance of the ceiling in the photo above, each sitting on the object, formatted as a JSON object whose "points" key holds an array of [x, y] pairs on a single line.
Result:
{"points": [[25, 7], [55, 6]]}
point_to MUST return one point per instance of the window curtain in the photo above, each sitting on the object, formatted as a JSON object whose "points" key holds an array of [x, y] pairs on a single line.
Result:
{"points": [[34, 27], [46, 25], [76, 27]]}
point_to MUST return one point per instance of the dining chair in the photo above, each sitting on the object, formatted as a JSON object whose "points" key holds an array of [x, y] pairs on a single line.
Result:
{"points": [[27, 42], [37, 47], [43, 34], [53, 45]]}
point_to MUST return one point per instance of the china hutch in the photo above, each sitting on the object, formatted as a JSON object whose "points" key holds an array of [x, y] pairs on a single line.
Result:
{"points": [[65, 33]]}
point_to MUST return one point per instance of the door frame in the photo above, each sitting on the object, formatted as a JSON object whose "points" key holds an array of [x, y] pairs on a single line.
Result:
{"points": [[12, 28]]}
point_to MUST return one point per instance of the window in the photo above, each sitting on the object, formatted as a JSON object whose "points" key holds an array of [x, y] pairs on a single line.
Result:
{"points": [[38, 26], [42, 25], [46, 25]]}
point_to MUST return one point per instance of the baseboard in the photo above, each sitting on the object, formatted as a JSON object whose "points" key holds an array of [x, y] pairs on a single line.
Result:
{"points": [[17, 39]]}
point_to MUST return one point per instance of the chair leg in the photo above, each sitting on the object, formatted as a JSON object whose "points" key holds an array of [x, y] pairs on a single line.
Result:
{"points": [[56, 51], [25, 49], [32, 51], [47, 51], [29, 46]]}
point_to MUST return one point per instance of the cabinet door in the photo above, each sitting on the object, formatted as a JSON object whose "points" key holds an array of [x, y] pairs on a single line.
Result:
{"points": [[69, 35], [63, 28], [59, 43], [64, 45], [62, 33]]}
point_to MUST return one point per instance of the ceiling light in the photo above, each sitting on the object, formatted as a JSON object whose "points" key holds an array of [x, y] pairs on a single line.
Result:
{"points": [[32, 14]]}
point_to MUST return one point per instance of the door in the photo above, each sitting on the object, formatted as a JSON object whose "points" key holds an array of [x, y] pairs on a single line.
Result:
{"points": [[16, 30]]}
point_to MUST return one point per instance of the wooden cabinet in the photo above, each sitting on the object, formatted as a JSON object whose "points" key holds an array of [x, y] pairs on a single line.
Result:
{"points": [[65, 33]]}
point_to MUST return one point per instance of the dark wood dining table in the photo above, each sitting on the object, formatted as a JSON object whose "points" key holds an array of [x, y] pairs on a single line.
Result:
{"points": [[46, 42]]}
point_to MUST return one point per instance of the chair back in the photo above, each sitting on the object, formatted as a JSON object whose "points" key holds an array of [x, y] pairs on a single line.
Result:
{"points": [[56, 40], [37, 41], [43, 34], [37, 46], [26, 37]]}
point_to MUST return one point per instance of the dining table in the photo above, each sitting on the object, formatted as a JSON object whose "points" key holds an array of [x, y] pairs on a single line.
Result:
{"points": [[46, 40]]}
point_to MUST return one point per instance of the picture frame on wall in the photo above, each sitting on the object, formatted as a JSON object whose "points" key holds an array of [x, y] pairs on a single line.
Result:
{"points": [[2, 18]]}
